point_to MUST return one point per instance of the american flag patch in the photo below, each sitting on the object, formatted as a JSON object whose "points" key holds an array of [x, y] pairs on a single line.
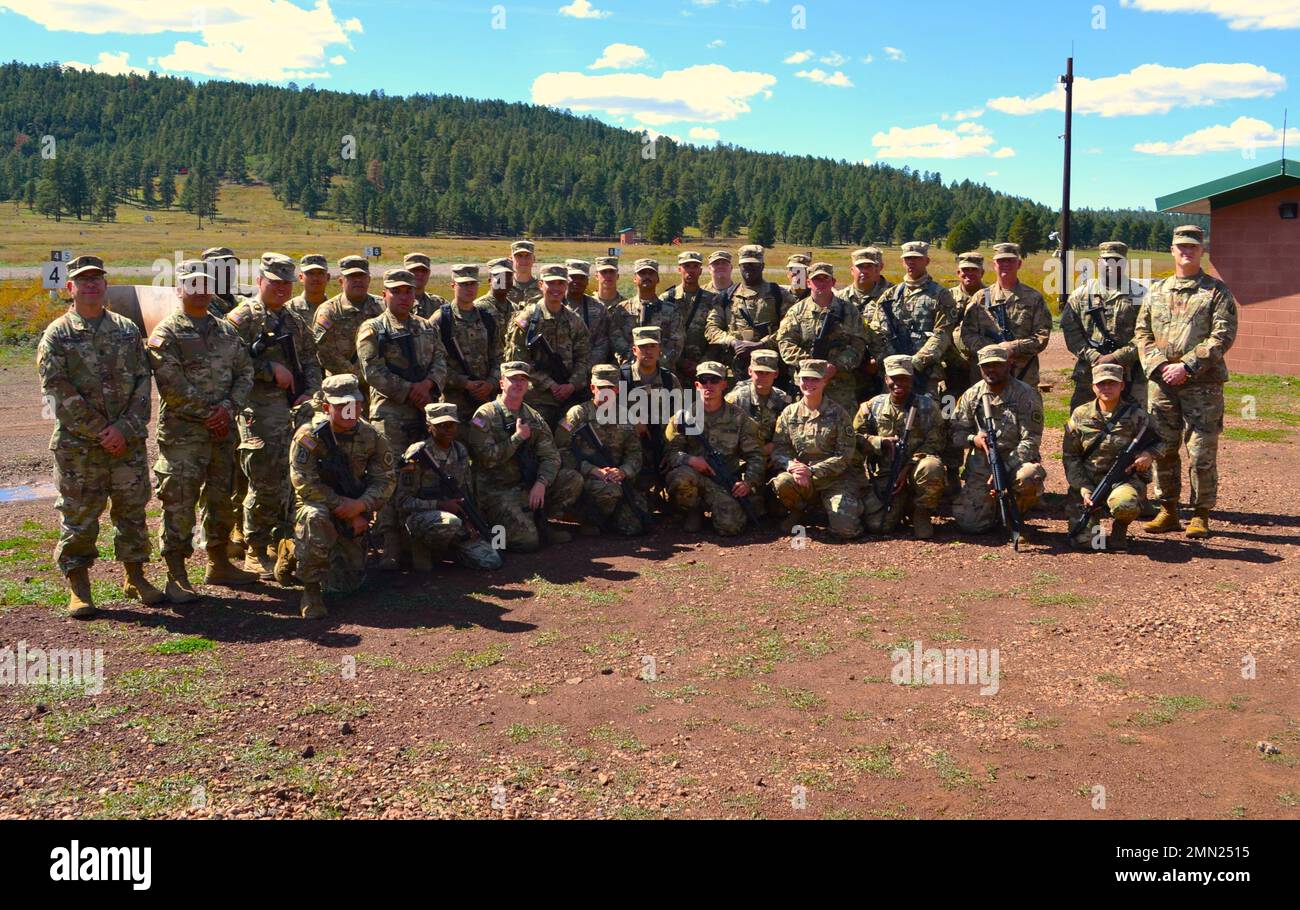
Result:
{"points": [[322, 321], [480, 423], [308, 442], [567, 424], [238, 316], [155, 341]]}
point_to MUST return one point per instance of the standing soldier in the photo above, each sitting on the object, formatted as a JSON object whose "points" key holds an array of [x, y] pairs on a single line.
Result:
{"points": [[1187, 323], [868, 284], [405, 366], [501, 277], [339, 319], [725, 433], [720, 284], [594, 441], [342, 473], [594, 316], [95, 379], [435, 488], [607, 291], [916, 317], [816, 458], [646, 309], [520, 478], [796, 269], [469, 331], [694, 303], [1095, 435], [314, 273], [805, 335], [759, 397], [526, 289], [1098, 322], [553, 341], [285, 375], [882, 425], [1018, 413], [751, 317], [646, 388], [1011, 314], [204, 374], [958, 363], [225, 271], [426, 304]]}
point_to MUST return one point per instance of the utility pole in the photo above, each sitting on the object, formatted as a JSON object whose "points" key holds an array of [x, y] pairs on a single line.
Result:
{"points": [[1067, 265]]}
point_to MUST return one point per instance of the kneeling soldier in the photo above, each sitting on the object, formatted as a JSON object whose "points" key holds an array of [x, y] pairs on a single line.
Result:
{"points": [[915, 475], [342, 473], [759, 397], [716, 465], [1095, 436], [435, 498]]}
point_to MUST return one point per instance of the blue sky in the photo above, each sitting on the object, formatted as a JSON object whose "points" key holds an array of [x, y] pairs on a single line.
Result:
{"points": [[1170, 93]]}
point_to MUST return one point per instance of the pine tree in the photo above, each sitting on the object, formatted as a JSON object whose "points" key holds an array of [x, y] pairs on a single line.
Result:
{"points": [[963, 238], [167, 187], [761, 230], [822, 236]]}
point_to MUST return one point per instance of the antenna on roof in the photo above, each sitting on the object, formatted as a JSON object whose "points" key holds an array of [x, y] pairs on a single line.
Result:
{"points": [[1284, 113]]}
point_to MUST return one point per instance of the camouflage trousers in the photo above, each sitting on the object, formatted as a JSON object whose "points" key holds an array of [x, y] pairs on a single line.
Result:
{"points": [[1192, 413], [842, 498], [322, 551], [264, 459], [687, 486], [1124, 503], [189, 473], [1137, 392], [444, 532], [88, 478], [604, 498], [923, 489], [509, 508], [975, 508], [400, 432], [843, 391]]}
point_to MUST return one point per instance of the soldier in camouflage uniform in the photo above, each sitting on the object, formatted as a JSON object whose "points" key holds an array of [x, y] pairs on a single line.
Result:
{"points": [[470, 331], [95, 380], [498, 432], [1011, 314], [1018, 412], [647, 308], [720, 284], [916, 317], [603, 499], [501, 277], [1185, 327], [433, 510], [314, 273], [879, 423], [816, 458], [566, 334], [731, 433], [1101, 316], [646, 387], [593, 315], [426, 304], [695, 304], [225, 270], [607, 291], [958, 364], [266, 420], [843, 343], [337, 454], [204, 375], [526, 289], [1095, 435], [339, 319], [750, 318], [796, 269], [868, 284], [405, 365], [759, 397]]}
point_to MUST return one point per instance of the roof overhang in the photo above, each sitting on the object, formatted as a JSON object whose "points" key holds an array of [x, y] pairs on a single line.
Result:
{"points": [[1258, 181]]}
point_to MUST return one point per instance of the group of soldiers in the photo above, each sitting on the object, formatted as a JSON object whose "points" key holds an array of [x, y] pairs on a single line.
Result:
{"points": [[303, 428]]}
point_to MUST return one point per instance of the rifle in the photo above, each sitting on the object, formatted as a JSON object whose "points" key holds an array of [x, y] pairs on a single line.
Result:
{"points": [[1109, 343], [290, 351], [902, 458], [554, 364], [1008, 510], [600, 456], [529, 467], [821, 343], [999, 311], [1119, 468], [449, 341], [449, 484], [722, 475], [901, 341], [412, 372], [336, 473]]}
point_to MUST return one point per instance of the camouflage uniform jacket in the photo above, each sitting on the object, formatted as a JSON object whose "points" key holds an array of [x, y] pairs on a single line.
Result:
{"points": [[335, 332], [824, 440], [367, 454], [493, 443], [251, 320], [728, 430], [382, 358], [1192, 320], [1085, 427], [880, 418], [1018, 413], [197, 363], [923, 311], [620, 439]]}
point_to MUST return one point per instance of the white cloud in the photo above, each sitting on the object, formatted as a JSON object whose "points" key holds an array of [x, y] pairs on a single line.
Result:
{"points": [[969, 114], [1153, 89], [654, 134], [895, 54], [970, 140], [338, 60], [834, 58], [110, 63], [1243, 133], [582, 9], [837, 79], [705, 133], [1240, 16], [716, 43], [990, 173], [673, 95], [620, 57], [799, 57], [870, 58]]}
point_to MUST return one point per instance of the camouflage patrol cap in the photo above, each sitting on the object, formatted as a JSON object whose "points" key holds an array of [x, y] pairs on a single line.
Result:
{"points": [[501, 264], [578, 267], [992, 354], [1189, 233], [354, 265], [642, 265], [689, 256], [1107, 371], [440, 412], [868, 254], [604, 374], [464, 273], [970, 260], [751, 252], [313, 262], [719, 255], [799, 259], [915, 248], [396, 278], [898, 365], [1006, 251], [812, 368], [83, 264], [416, 260], [1113, 249], [276, 267], [554, 272], [193, 271], [711, 368], [341, 388], [514, 368], [821, 268], [765, 360], [522, 246], [646, 334], [606, 263], [219, 252]]}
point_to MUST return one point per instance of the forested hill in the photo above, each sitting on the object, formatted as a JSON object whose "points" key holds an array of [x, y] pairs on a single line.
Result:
{"points": [[428, 163]]}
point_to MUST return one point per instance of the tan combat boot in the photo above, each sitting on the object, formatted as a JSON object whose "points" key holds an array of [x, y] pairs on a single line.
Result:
{"points": [[1118, 539], [1166, 519], [557, 534], [139, 587], [258, 561], [313, 603], [693, 520], [922, 523], [80, 603], [1199, 526], [286, 563], [179, 589], [790, 521], [236, 548], [421, 558], [222, 572], [392, 560]]}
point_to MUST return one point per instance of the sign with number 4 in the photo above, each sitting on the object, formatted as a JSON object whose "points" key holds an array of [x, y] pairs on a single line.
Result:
{"points": [[54, 275]]}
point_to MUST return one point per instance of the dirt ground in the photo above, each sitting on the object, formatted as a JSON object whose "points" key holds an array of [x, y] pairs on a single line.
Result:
{"points": [[1129, 686]]}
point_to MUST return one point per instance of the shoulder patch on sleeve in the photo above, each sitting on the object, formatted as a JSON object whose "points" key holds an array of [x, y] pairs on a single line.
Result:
{"points": [[308, 442], [155, 341], [322, 319], [238, 315], [567, 424], [479, 421], [522, 321]]}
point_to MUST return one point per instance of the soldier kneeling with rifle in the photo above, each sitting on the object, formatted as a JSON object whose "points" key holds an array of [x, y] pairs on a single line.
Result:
{"points": [[1108, 451], [342, 473], [435, 498]]}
